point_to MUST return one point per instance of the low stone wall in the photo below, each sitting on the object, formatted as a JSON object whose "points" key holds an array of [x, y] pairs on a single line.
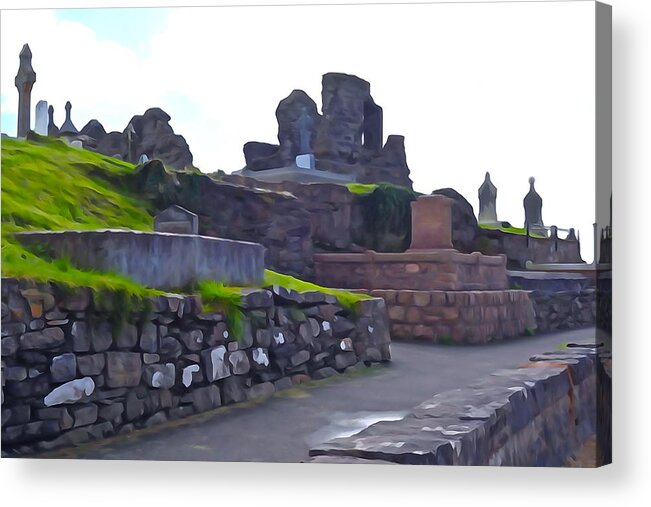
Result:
{"points": [[74, 368], [418, 270], [564, 309], [156, 259], [463, 317], [537, 415]]}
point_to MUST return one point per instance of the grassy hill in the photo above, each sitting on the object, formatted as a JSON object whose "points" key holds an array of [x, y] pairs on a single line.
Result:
{"points": [[47, 184]]}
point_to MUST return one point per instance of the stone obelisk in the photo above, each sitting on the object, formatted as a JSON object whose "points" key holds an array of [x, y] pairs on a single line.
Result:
{"points": [[24, 81]]}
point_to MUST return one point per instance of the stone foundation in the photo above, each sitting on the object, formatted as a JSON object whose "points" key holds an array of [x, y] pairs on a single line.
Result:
{"points": [[443, 270], [76, 367], [538, 415], [463, 317]]}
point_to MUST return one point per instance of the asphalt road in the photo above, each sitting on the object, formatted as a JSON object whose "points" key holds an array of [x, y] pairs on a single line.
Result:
{"points": [[284, 427]]}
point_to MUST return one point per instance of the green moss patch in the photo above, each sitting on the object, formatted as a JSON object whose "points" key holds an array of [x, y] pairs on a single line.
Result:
{"points": [[345, 298]]}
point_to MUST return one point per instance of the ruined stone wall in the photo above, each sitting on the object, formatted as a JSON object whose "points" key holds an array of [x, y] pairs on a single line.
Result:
{"points": [[75, 367], [462, 317], [539, 415]]}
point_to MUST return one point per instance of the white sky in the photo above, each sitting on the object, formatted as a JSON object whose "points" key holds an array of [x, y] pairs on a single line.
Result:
{"points": [[504, 87]]}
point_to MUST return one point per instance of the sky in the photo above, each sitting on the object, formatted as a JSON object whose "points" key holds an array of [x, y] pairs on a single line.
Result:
{"points": [[505, 87]]}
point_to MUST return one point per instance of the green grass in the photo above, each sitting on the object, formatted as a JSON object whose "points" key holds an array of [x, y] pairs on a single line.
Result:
{"points": [[521, 231], [224, 299], [345, 298], [361, 188], [48, 185]]}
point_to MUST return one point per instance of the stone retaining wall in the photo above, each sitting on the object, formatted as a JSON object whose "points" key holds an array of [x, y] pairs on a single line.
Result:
{"points": [[564, 309], [156, 259], [537, 415], [74, 369], [419, 270], [468, 317]]}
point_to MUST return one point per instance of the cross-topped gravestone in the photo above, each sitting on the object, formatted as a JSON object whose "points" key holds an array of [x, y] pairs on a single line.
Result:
{"points": [[52, 129], [68, 128], [24, 81], [487, 201], [40, 124], [533, 210]]}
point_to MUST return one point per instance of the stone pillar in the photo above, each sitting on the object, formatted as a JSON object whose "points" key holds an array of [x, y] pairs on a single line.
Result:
{"points": [[24, 81], [431, 223]]}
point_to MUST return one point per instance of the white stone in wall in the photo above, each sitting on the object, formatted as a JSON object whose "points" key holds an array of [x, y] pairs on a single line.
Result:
{"points": [[187, 374], [260, 356], [164, 377], [326, 325], [279, 338], [70, 392], [215, 366], [346, 344]]}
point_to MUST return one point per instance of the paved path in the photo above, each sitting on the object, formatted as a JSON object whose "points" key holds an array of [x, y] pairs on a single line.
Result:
{"points": [[283, 428]]}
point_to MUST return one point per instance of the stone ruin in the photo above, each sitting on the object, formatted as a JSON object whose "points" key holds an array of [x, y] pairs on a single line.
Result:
{"points": [[346, 140]]}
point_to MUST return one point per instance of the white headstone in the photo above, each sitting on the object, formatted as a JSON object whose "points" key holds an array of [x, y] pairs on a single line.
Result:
{"points": [[40, 125], [77, 144], [143, 159], [305, 161]]}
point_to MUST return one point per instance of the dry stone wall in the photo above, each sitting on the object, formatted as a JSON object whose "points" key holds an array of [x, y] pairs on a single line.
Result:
{"points": [[503, 419], [75, 369], [556, 311]]}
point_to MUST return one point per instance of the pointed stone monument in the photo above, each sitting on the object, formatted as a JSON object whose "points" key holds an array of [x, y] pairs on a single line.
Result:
{"points": [[487, 202], [52, 129], [40, 124], [68, 128], [24, 81], [533, 210]]}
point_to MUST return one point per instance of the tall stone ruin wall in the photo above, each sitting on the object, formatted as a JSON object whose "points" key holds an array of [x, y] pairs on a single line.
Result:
{"points": [[75, 369], [347, 138]]}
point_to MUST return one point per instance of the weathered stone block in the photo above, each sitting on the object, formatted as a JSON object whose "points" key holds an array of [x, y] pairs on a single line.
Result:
{"points": [[45, 339], [63, 367], [84, 414], [123, 369], [80, 337], [92, 364], [239, 362], [206, 398], [149, 341], [193, 340], [160, 376], [127, 336]]}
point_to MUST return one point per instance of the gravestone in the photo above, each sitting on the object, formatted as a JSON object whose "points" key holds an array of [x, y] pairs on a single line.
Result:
{"points": [[177, 220], [52, 129], [306, 161], [533, 210], [305, 126], [143, 159], [487, 202], [24, 81], [131, 143], [431, 223], [68, 128], [77, 144], [40, 124]]}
